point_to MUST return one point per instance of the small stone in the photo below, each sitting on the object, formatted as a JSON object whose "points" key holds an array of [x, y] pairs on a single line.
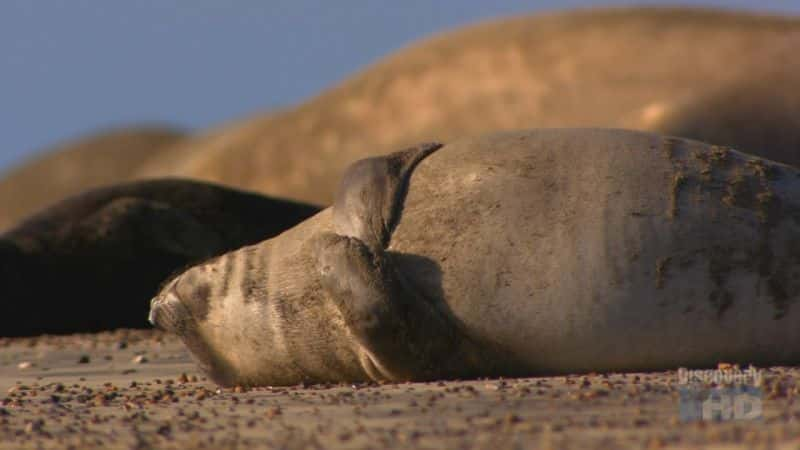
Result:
{"points": [[165, 430], [140, 359], [24, 365], [640, 422], [36, 425], [84, 359], [274, 411], [346, 436], [594, 393]]}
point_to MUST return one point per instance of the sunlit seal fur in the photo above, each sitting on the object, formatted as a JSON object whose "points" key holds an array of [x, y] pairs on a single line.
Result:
{"points": [[539, 252]]}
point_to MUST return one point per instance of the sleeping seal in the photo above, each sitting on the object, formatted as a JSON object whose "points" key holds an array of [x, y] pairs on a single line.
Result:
{"points": [[522, 253], [544, 70], [75, 166], [93, 261]]}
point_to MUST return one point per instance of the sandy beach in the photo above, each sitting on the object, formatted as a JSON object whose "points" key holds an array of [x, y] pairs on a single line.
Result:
{"points": [[140, 389]]}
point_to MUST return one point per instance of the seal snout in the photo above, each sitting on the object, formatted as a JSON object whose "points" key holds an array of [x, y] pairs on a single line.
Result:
{"points": [[152, 316], [167, 312]]}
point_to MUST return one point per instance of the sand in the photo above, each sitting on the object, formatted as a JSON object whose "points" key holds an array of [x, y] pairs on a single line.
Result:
{"points": [[140, 389]]}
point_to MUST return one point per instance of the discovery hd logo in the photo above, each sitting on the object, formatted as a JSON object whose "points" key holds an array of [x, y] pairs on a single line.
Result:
{"points": [[727, 393]]}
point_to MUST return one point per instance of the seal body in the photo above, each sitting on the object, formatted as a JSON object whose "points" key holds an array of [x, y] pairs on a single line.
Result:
{"points": [[608, 250], [654, 69], [76, 166], [546, 251]]}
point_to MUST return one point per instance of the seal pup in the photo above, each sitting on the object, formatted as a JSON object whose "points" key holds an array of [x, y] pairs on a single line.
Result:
{"points": [[92, 262], [521, 253]]}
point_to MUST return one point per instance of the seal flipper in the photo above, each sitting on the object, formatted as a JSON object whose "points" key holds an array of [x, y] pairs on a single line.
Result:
{"points": [[402, 336], [371, 194]]}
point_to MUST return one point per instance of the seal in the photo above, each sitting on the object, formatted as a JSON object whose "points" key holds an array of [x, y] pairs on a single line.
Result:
{"points": [[75, 166], [543, 70], [520, 253], [93, 261]]}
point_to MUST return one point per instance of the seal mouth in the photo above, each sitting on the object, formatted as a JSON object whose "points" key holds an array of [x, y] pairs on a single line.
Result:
{"points": [[168, 313]]}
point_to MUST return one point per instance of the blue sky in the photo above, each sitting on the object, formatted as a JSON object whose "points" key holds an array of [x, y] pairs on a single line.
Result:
{"points": [[70, 67]]}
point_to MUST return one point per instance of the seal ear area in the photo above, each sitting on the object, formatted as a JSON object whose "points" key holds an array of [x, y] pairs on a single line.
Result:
{"points": [[370, 198], [350, 272]]}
